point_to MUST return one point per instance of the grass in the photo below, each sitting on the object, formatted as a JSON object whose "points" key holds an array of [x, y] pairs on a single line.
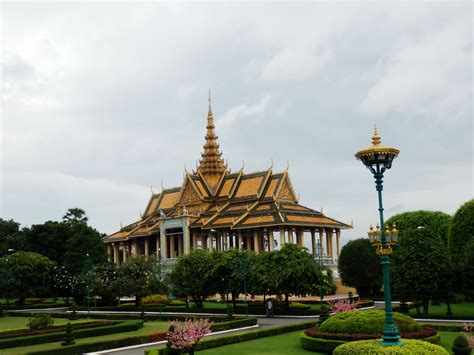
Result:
{"points": [[465, 309], [149, 327], [14, 323], [290, 344]]}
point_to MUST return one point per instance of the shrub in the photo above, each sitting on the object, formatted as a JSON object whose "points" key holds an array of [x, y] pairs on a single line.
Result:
{"points": [[41, 321], [461, 345], [297, 305], [374, 347], [155, 299], [366, 322]]}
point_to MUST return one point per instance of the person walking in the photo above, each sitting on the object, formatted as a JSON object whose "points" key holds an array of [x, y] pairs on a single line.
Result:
{"points": [[270, 308]]}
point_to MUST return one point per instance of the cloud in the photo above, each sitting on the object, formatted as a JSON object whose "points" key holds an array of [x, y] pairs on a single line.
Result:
{"points": [[244, 111], [429, 76]]}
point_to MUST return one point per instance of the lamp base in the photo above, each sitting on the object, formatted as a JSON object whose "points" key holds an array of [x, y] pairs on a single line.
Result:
{"points": [[390, 336]]}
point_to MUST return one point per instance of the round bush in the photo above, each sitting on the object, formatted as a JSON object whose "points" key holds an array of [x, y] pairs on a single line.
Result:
{"points": [[366, 322], [461, 346], [374, 347]]}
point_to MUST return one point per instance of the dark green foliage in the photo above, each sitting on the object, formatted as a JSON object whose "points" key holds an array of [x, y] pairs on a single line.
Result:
{"points": [[359, 267], [373, 347], [41, 321], [462, 230], [11, 237], [125, 326], [468, 272], [461, 346], [436, 221], [325, 346], [25, 274], [69, 338], [420, 267], [137, 276], [366, 322], [194, 276]]}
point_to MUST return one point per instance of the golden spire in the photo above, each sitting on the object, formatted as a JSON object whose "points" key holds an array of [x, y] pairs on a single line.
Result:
{"points": [[211, 166], [376, 137]]}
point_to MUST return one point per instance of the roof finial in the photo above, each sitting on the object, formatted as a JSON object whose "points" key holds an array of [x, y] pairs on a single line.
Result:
{"points": [[376, 137], [210, 109], [151, 188]]}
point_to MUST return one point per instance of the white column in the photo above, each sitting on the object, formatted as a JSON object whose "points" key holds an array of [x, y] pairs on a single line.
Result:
{"points": [[282, 237], [313, 243], [338, 237], [256, 241], [239, 233], [270, 240], [147, 247]]}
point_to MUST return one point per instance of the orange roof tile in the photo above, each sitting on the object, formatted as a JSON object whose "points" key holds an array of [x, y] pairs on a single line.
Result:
{"points": [[169, 200], [226, 188], [271, 187], [249, 187], [309, 219], [259, 219]]}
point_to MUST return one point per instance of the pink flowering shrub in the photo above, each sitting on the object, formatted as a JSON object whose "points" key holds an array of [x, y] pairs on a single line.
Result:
{"points": [[469, 334], [186, 335], [342, 306]]}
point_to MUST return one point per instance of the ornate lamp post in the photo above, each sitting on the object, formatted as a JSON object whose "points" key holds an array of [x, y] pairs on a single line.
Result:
{"points": [[378, 158]]}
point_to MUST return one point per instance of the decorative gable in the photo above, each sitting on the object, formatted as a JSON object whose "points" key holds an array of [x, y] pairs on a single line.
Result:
{"points": [[286, 191], [189, 195]]}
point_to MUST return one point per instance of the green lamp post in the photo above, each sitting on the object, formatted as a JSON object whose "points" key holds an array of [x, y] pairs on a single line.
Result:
{"points": [[378, 158]]}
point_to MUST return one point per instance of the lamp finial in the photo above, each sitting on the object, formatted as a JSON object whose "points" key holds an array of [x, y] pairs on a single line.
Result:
{"points": [[376, 138]]}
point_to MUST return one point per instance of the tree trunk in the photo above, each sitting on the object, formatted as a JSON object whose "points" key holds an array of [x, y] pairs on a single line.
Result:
{"points": [[234, 301], [287, 301]]}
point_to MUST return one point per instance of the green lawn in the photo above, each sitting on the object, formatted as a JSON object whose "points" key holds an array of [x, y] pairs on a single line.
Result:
{"points": [[149, 327], [289, 344], [465, 309], [13, 323]]}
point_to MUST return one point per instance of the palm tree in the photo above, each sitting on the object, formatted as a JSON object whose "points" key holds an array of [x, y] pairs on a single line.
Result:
{"points": [[75, 215]]}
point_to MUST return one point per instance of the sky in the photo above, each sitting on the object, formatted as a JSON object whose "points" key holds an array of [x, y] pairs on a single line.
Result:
{"points": [[103, 100]]}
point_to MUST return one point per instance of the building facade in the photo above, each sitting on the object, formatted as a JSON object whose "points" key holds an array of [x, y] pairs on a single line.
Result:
{"points": [[216, 209]]}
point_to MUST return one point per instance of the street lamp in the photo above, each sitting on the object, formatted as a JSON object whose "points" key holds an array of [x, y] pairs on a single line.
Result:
{"points": [[88, 267], [378, 158], [7, 277], [243, 270]]}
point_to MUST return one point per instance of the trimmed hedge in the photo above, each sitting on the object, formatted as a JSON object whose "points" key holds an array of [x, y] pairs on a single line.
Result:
{"points": [[103, 345], [373, 347], [366, 322], [54, 328], [233, 324], [120, 327], [209, 343], [326, 346]]}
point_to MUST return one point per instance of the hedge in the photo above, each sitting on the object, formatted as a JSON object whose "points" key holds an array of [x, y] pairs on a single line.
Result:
{"points": [[233, 324], [103, 345], [121, 327], [54, 328], [327, 344], [366, 322], [373, 347], [147, 317], [319, 345], [209, 343]]}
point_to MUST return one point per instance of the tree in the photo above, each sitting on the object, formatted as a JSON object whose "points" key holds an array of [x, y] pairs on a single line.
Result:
{"points": [[296, 272], [194, 276], [75, 215], [26, 274], [228, 273], [462, 231], [64, 283], [186, 335], [468, 272], [83, 241], [359, 267], [262, 277], [419, 264], [137, 276], [436, 221], [11, 238]]}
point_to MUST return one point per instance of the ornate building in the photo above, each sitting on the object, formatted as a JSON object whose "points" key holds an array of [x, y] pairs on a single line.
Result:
{"points": [[217, 209]]}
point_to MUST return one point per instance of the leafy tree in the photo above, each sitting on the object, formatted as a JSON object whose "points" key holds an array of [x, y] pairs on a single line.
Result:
{"points": [[359, 267], [228, 273], [263, 279], [437, 222], [194, 276], [11, 238], [104, 279], [63, 283], [49, 239], [468, 272], [84, 240], [75, 215], [137, 276], [296, 272], [462, 231], [26, 274], [420, 263]]}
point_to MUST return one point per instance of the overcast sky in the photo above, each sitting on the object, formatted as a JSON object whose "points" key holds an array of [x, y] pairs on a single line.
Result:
{"points": [[102, 100]]}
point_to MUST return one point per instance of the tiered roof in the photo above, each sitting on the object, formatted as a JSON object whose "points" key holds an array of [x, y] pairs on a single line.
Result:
{"points": [[212, 198]]}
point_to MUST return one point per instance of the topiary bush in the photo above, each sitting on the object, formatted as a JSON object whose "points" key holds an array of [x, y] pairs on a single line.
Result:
{"points": [[366, 322], [374, 347], [461, 345]]}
